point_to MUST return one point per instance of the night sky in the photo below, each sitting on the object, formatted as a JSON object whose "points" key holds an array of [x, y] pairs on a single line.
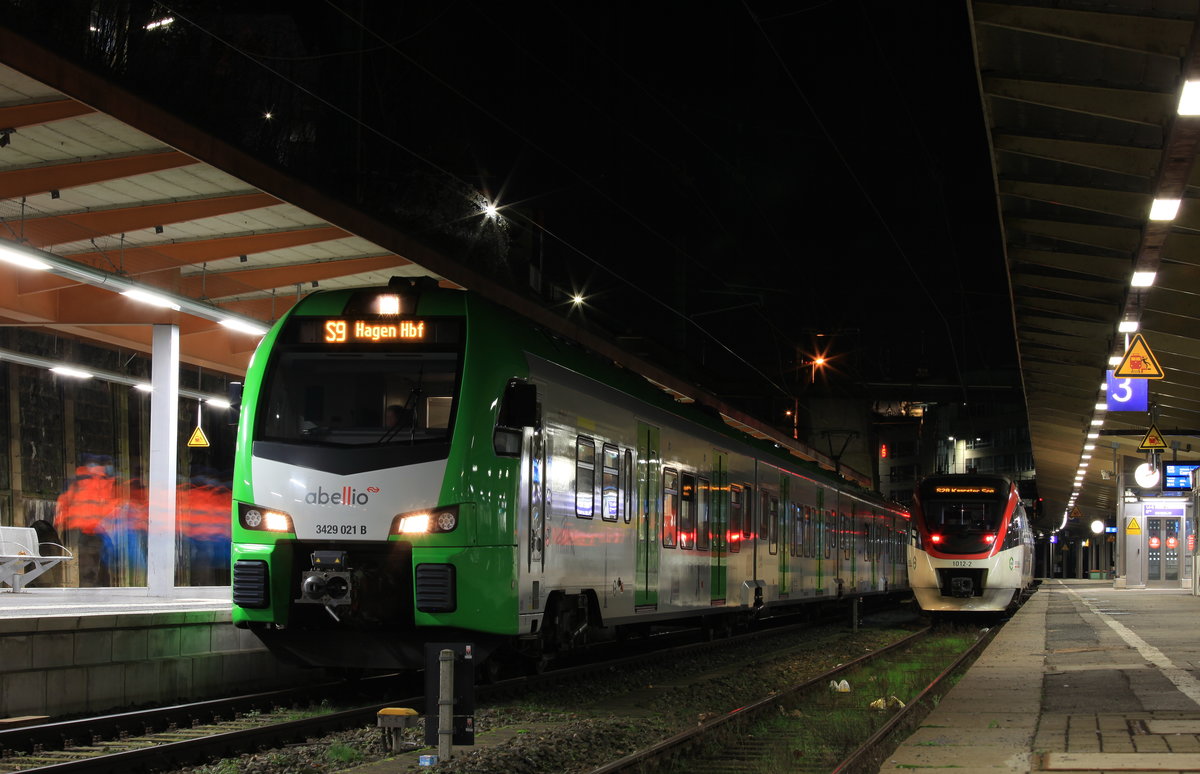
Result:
{"points": [[732, 186]]}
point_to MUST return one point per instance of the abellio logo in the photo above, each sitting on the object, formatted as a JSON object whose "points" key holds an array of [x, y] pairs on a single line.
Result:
{"points": [[347, 496]]}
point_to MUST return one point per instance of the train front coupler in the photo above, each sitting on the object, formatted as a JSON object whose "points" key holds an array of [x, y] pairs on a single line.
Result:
{"points": [[328, 582]]}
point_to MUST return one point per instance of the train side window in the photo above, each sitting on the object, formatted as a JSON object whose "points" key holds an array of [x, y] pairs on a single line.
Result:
{"points": [[610, 483], [771, 514], [748, 515], [844, 526], [830, 534], [807, 529], [585, 476], [704, 527], [687, 511], [735, 518], [627, 485], [865, 540], [796, 527], [670, 507]]}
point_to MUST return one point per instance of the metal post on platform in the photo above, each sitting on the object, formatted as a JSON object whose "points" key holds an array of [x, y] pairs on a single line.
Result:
{"points": [[164, 436], [445, 703]]}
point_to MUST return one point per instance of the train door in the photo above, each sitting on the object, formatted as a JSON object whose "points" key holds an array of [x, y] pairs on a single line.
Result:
{"points": [[648, 467], [820, 542], [535, 551], [719, 505], [780, 529]]}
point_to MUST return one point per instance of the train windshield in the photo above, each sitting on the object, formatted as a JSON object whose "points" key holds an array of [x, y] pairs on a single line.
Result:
{"points": [[962, 516], [360, 398]]}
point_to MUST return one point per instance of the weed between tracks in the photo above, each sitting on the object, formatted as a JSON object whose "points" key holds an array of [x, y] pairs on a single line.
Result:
{"points": [[815, 731]]}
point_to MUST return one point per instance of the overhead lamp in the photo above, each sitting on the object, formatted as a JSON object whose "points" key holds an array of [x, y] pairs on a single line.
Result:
{"points": [[153, 299], [144, 387], [1097, 422], [1089, 446], [74, 373], [1164, 209], [1086, 457], [220, 403], [235, 324], [1093, 435], [1084, 464], [1127, 326], [18, 257], [1102, 407], [1189, 99], [1143, 279]]}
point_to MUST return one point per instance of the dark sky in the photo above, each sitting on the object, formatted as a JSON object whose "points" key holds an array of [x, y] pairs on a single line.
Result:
{"points": [[724, 177]]}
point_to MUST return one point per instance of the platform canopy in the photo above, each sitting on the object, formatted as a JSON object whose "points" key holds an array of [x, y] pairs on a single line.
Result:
{"points": [[1081, 102]]}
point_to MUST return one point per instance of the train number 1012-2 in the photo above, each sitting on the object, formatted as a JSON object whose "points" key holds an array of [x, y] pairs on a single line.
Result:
{"points": [[341, 529]]}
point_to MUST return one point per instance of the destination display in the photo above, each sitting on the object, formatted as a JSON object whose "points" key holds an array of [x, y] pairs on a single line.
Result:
{"points": [[1178, 475], [336, 332], [965, 490]]}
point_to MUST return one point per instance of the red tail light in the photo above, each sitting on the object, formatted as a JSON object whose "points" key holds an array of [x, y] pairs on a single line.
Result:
{"points": [[935, 538], [989, 538]]}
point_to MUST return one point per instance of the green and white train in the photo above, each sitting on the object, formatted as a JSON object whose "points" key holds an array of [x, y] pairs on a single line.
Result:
{"points": [[418, 465]]}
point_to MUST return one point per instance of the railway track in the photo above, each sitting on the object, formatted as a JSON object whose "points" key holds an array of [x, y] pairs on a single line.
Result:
{"points": [[757, 732], [172, 737]]}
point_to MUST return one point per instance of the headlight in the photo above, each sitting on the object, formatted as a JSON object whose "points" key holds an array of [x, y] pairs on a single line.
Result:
{"points": [[264, 519], [432, 520]]}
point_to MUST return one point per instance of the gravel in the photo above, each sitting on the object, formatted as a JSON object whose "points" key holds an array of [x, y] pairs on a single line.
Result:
{"points": [[597, 719]]}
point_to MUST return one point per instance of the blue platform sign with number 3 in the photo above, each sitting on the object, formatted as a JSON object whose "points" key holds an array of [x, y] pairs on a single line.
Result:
{"points": [[1126, 394]]}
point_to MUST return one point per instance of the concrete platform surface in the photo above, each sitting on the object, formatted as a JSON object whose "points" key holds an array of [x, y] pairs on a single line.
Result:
{"points": [[1084, 678], [41, 602]]}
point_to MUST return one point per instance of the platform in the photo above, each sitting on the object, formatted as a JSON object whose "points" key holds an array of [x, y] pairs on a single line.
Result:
{"points": [[68, 651], [1084, 678]]}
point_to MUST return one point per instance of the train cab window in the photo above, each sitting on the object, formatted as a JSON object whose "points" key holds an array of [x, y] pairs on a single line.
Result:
{"points": [[704, 524], [670, 527], [585, 476], [771, 514], [687, 511], [735, 518], [627, 485], [610, 483], [748, 515]]}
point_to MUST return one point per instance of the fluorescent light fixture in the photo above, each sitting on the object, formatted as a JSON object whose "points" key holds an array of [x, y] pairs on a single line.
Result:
{"points": [[1102, 407], [1115, 360], [158, 24], [144, 387], [1189, 100], [1086, 457], [1083, 465], [1127, 326], [220, 403], [153, 299], [18, 257], [1089, 446], [1093, 435], [1143, 279], [235, 324], [1164, 209], [74, 373], [1097, 422]]}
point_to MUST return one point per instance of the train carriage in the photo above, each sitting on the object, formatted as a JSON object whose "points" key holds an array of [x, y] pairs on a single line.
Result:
{"points": [[972, 546], [417, 465]]}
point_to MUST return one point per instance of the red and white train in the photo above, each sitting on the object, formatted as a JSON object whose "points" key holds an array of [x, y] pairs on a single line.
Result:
{"points": [[972, 547]]}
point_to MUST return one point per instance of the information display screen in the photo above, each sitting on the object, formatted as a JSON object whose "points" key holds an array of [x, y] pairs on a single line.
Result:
{"points": [[1178, 475], [359, 332]]}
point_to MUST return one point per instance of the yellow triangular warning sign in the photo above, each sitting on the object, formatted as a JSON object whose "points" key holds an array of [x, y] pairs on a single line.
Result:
{"points": [[198, 438], [1139, 362], [1153, 440], [1132, 527]]}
